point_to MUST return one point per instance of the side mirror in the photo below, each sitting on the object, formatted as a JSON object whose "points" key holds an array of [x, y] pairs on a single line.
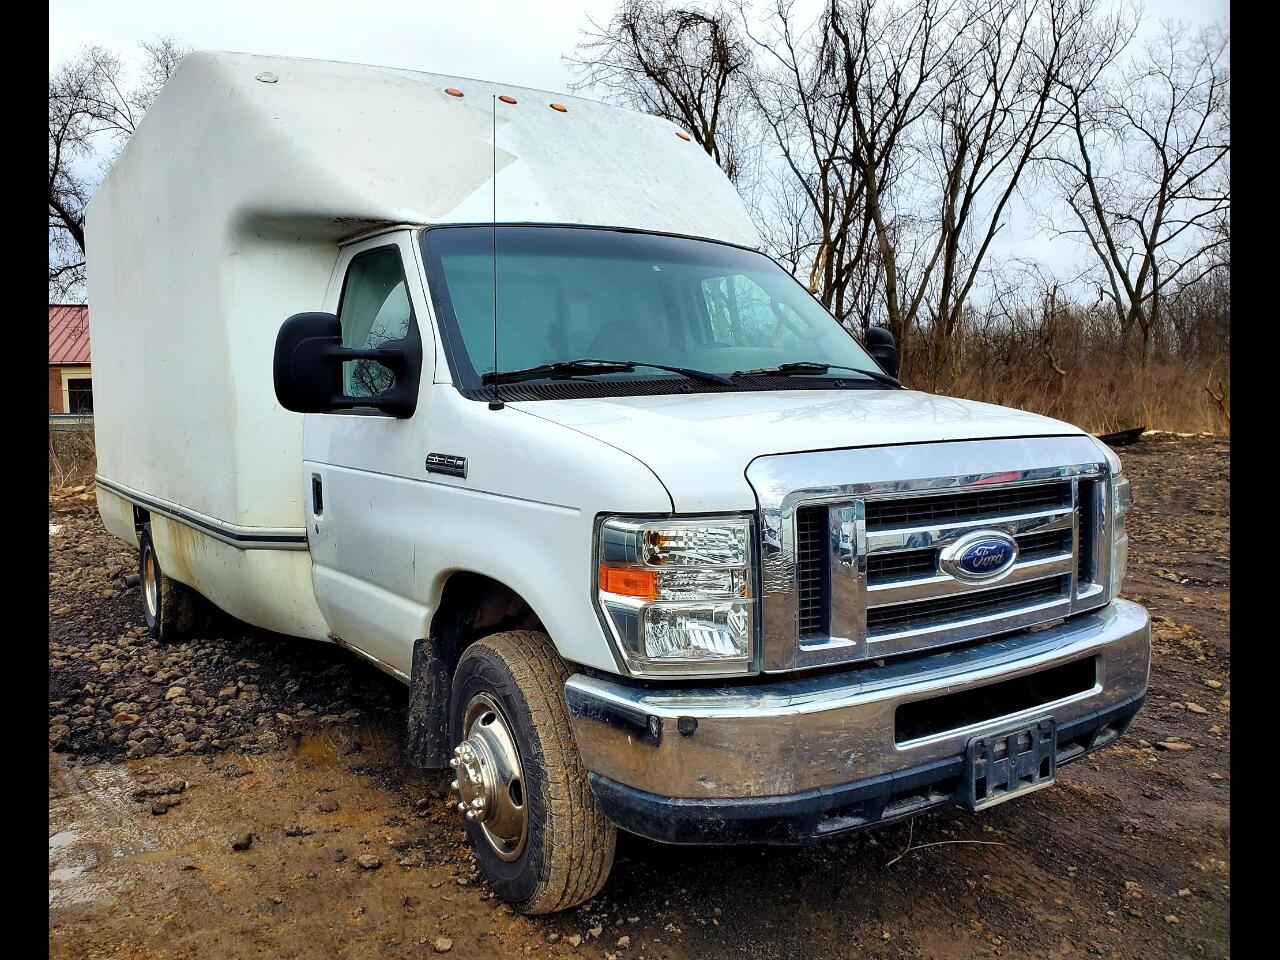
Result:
{"points": [[307, 381], [883, 349], [307, 368]]}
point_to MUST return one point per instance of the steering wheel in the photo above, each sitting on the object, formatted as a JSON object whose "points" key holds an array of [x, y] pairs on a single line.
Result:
{"points": [[807, 333]]}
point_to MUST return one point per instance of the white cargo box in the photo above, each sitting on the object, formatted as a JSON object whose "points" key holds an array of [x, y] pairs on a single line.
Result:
{"points": [[224, 215]]}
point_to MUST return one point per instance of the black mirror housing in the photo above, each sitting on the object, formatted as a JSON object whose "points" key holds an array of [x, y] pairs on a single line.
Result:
{"points": [[883, 349], [307, 368], [306, 381]]}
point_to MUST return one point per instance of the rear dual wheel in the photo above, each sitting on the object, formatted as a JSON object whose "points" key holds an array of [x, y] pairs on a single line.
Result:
{"points": [[539, 834], [169, 608]]}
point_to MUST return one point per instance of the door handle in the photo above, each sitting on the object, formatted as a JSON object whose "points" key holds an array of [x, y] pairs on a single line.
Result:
{"points": [[317, 495]]}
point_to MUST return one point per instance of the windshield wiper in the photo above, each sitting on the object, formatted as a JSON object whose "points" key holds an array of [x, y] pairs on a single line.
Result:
{"points": [[806, 367], [568, 369]]}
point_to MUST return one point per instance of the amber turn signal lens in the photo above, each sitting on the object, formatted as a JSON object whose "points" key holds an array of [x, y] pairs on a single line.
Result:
{"points": [[453, 91], [629, 583]]}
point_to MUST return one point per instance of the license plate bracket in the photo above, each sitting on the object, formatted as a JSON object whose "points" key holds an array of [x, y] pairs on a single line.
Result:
{"points": [[1010, 762]]}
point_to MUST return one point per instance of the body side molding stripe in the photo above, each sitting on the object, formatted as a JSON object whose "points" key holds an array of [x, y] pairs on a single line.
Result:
{"points": [[245, 538]]}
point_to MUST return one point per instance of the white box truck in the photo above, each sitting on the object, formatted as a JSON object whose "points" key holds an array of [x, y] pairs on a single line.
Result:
{"points": [[654, 541]]}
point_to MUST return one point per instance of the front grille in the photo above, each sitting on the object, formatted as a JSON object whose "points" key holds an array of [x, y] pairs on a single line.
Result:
{"points": [[914, 604], [1086, 561], [888, 567], [811, 570], [987, 603], [962, 507], [912, 564], [910, 602], [1036, 546]]}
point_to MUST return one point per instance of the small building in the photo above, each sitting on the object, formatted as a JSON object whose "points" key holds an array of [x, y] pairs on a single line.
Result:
{"points": [[70, 375]]}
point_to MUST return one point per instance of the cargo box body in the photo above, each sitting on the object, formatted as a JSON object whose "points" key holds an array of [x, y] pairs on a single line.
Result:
{"points": [[224, 215]]}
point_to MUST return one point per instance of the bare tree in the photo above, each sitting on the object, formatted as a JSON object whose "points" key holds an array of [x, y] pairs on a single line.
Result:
{"points": [[93, 110], [1146, 174], [796, 96], [991, 122], [684, 63], [895, 65], [909, 127], [805, 101]]}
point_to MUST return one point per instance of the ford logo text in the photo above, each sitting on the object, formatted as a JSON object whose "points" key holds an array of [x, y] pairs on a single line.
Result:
{"points": [[979, 556]]}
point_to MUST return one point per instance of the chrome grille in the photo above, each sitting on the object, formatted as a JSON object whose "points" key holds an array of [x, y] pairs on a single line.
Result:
{"points": [[909, 564], [1087, 492], [851, 544], [960, 508], [888, 567], [811, 569], [988, 603], [929, 607], [1036, 546]]}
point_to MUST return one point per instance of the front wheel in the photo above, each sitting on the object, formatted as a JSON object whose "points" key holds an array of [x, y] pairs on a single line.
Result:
{"points": [[539, 835]]}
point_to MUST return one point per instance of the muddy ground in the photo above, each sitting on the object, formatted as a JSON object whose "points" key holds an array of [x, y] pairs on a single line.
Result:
{"points": [[295, 749]]}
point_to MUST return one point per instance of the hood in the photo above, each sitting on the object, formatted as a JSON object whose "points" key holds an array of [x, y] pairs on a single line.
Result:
{"points": [[699, 445]]}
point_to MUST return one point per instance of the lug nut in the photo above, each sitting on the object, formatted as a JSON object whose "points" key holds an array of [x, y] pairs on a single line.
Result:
{"points": [[462, 807], [478, 803], [454, 785], [453, 762]]}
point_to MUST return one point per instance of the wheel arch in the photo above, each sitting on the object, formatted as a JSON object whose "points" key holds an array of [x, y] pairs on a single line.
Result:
{"points": [[472, 605]]}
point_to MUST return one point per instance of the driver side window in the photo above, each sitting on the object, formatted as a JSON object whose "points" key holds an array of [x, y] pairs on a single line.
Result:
{"points": [[374, 311]]}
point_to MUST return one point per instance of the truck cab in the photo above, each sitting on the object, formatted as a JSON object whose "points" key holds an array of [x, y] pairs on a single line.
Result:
{"points": [[654, 540]]}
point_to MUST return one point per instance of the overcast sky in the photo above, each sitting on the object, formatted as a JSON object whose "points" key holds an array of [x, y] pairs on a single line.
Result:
{"points": [[518, 41]]}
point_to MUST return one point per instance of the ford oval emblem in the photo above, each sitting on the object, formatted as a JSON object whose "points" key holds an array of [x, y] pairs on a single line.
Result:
{"points": [[979, 556]]}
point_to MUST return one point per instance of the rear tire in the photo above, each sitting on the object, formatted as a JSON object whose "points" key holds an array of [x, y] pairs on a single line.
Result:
{"points": [[545, 845], [169, 608]]}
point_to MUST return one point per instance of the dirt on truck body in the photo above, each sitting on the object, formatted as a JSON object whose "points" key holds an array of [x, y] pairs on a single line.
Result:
{"points": [[244, 794]]}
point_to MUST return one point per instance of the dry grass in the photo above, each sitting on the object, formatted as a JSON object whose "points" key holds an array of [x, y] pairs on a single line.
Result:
{"points": [[1100, 397], [1036, 349], [71, 455]]}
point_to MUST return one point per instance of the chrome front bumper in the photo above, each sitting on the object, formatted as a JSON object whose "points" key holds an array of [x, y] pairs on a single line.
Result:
{"points": [[817, 736]]}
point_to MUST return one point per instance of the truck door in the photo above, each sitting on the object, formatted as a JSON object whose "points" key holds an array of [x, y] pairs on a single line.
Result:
{"points": [[359, 464]]}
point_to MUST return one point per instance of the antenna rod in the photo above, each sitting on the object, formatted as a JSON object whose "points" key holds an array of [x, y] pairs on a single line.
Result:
{"points": [[495, 403]]}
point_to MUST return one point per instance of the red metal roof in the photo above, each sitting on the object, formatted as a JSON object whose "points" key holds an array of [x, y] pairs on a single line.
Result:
{"points": [[68, 333]]}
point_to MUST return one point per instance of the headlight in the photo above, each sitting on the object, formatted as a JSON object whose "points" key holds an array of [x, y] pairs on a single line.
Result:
{"points": [[1121, 500], [676, 594]]}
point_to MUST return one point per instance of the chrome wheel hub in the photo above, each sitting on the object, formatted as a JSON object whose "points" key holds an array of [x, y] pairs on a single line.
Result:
{"points": [[151, 584], [490, 780]]}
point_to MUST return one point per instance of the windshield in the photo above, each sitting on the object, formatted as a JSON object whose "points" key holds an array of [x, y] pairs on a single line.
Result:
{"points": [[567, 293]]}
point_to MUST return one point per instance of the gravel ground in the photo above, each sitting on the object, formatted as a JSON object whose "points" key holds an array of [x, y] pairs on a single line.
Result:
{"points": [[243, 794], [115, 693]]}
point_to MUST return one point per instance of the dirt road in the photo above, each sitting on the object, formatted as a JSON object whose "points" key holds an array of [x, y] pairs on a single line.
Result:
{"points": [[294, 750]]}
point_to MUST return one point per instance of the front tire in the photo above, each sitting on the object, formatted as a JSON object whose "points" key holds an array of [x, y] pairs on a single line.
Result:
{"points": [[169, 608], [539, 835]]}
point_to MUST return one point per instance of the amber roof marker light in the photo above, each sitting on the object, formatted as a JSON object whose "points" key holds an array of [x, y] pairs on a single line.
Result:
{"points": [[453, 91], [684, 136], [506, 99], [559, 108]]}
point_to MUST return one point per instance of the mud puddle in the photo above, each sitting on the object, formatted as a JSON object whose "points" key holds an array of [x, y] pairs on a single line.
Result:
{"points": [[340, 860]]}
